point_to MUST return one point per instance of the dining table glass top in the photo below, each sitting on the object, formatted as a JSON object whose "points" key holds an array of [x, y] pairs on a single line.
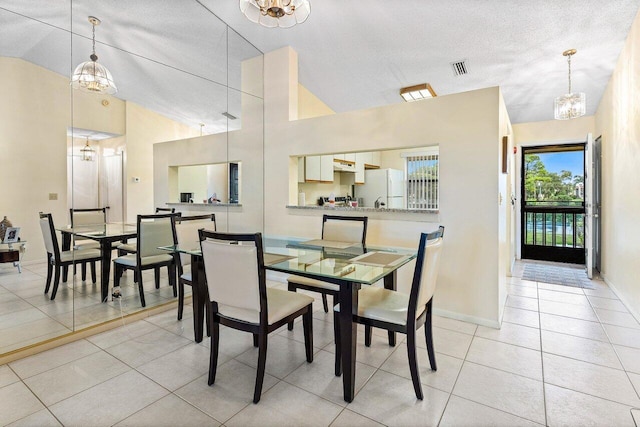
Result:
{"points": [[365, 264], [100, 231]]}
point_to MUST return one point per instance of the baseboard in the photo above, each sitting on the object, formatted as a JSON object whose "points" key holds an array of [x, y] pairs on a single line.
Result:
{"points": [[626, 303], [466, 318]]}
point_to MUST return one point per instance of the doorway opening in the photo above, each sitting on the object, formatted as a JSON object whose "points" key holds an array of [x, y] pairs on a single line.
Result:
{"points": [[553, 203]]}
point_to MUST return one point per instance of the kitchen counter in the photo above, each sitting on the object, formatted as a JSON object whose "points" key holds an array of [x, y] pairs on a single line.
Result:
{"points": [[362, 209], [205, 205]]}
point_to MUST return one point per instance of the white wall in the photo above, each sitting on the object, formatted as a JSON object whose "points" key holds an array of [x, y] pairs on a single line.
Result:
{"points": [[618, 121]]}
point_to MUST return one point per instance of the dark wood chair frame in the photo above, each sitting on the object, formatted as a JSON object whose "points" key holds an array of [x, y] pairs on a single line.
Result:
{"points": [[139, 268], [293, 286], [182, 282], [412, 324], [65, 271], [128, 251], [261, 330], [169, 210], [54, 261]]}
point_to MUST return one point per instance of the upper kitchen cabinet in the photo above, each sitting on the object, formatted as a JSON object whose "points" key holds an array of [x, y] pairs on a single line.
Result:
{"points": [[318, 168], [360, 159], [371, 159]]}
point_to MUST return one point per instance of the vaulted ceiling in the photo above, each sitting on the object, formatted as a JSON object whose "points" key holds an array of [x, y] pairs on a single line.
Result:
{"points": [[352, 54]]}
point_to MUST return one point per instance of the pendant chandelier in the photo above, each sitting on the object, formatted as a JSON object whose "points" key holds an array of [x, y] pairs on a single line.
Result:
{"points": [[276, 13], [87, 152], [91, 76], [570, 105]]}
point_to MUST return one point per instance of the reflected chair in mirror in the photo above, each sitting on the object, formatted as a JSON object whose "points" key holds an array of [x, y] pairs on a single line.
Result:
{"points": [[399, 312], [131, 247], [343, 229], [87, 217], [57, 259], [239, 297], [153, 231], [187, 231]]}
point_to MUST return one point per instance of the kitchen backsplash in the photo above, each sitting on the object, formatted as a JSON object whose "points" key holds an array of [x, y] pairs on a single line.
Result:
{"points": [[313, 191]]}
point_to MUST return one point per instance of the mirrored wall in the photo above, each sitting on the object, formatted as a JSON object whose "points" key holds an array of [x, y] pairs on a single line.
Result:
{"points": [[189, 94]]}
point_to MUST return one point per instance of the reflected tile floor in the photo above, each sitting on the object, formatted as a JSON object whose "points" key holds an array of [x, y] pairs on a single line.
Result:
{"points": [[28, 316], [542, 368]]}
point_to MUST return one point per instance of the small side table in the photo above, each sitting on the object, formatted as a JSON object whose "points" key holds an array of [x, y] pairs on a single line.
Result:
{"points": [[12, 252]]}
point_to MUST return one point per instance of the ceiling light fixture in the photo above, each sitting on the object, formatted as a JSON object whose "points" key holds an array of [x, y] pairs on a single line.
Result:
{"points": [[91, 76], [87, 152], [417, 92], [570, 105], [276, 13]]}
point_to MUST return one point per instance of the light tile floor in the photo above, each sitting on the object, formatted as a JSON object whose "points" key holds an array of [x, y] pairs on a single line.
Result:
{"points": [[564, 356]]}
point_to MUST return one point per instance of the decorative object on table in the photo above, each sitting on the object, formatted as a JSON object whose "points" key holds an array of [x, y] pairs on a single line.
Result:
{"points": [[276, 13], [570, 105], [91, 76], [12, 235], [4, 225]]}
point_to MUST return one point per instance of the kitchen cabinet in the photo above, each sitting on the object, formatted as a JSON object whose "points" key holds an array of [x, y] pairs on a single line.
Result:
{"points": [[350, 157], [300, 169], [371, 159], [318, 168], [360, 160], [339, 156]]}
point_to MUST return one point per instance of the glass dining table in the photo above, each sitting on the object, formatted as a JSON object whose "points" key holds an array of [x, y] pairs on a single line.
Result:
{"points": [[349, 266], [105, 234]]}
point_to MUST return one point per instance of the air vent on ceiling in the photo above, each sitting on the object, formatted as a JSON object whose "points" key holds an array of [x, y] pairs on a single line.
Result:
{"points": [[229, 116], [459, 67]]}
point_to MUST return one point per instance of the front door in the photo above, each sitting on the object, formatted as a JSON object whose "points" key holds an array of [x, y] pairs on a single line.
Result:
{"points": [[552, 203]]}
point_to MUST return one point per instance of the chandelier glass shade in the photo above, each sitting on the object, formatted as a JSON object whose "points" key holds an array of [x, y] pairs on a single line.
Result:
{"points": [[570, 105], [276, 13], [91, 76]]}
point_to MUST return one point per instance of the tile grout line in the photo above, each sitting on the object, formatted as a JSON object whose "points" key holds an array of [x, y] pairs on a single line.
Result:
{"points": [[544, 383]]}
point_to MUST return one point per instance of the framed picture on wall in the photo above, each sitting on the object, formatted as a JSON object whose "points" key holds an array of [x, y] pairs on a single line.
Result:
{"points": [[505, 154], [12, 235]]}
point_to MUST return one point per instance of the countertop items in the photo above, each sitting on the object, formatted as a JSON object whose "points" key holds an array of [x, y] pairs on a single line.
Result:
{"points": [[361, 209]]}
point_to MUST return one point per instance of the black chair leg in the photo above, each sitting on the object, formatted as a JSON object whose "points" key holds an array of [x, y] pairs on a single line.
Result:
{"points": [[93, 272], [65, 273], [171, 269], [367, 335], [324, 303], [262, 361], [290, 288], [56, 282], [255, 340], [49, 274], [140, 287], [428, 333], [413, 362], [84, 271], [181, 300], [213, 354], [336, 337], [156, 273], [307, 323]]}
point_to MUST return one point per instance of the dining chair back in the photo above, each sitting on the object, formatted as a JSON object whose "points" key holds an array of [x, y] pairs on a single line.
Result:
{"points": [[87, 217], [335, 228], [187, 232], [168, 210], [349, 229], [428, 270], [153, 231], [57, 260], [239, 297]]}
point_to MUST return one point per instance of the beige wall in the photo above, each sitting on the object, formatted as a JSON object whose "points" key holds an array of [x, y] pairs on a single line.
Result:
{"points": [[310, 105], [618, 121], [465, 126], [145, 128]]}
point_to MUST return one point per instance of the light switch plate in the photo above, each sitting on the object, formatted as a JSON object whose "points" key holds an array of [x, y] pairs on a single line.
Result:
{"points": [[53, 196]]}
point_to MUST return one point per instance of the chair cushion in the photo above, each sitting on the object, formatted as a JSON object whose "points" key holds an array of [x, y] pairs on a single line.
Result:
{"points": [[86, 244], [313, 283], [130, 260], [280, 304], [66, 256], [383, 304], [129, 247]]}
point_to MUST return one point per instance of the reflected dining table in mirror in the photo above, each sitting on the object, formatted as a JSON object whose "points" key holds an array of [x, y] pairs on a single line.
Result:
{"points": [[348, 266], [105, 234]]}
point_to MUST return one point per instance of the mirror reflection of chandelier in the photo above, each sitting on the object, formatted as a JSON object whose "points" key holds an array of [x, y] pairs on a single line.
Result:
{"points": [[87, 152], [276, 13], [91, 76], [570, 105]]}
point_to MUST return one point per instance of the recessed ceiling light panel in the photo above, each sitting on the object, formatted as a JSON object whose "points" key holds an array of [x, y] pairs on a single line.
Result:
{"points": [[417, 92]]}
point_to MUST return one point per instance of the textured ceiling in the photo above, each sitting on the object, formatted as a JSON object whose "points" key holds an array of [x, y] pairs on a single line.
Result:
{"points": [[171, 56]]}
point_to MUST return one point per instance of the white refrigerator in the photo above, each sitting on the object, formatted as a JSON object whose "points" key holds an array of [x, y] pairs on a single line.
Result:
{"points": [[386, 184]]}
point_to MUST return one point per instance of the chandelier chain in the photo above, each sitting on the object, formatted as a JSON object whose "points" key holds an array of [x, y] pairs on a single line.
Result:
{"points": [[93, 38], [569, 61]]}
